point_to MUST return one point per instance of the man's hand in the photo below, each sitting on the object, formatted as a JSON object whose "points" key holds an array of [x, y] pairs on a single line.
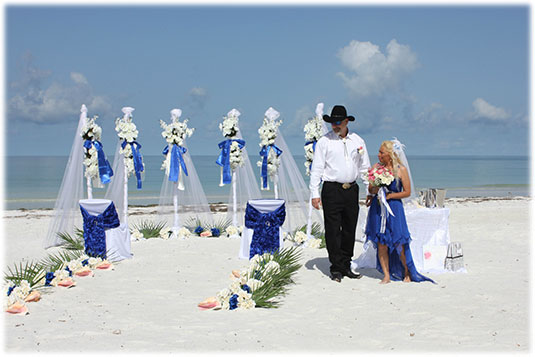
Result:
{"points": [[316, 203]]}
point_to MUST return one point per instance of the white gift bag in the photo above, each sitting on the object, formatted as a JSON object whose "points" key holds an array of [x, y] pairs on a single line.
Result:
{"points": [[454, 258]]}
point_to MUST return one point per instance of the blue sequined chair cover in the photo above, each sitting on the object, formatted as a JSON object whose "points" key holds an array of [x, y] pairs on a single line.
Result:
{"points": [[266, 227], [95, 227]]}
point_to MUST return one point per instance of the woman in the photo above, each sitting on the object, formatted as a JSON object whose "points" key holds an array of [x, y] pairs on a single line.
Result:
{"points": [[393, 239]]}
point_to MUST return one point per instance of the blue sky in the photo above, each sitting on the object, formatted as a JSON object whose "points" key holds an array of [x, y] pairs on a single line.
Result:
{"points": [[445, 80]]}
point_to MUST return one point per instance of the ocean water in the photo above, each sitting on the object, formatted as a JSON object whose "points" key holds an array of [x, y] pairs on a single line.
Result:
{"points": [[34, 182]]}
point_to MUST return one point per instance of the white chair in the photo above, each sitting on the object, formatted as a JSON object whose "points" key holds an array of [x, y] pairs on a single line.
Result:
{"points": [[263, 206], [118, 244]]}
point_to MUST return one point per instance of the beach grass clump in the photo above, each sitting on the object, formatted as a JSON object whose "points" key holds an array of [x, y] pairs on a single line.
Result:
{"points": [[204, 229], [70, 242], [31, 272], [148, 228]]}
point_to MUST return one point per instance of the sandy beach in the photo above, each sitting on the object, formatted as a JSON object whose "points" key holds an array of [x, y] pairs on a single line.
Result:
{"points": [[149, 303]]}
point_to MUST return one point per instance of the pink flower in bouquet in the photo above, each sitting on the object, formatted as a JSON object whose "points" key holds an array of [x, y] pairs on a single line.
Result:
{"points": [[378, 175]]}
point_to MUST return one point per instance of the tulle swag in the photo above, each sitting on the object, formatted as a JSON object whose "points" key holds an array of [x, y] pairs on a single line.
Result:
{"points": [[127, 131], [268, 134], [175, 133], [313, 132], [91, 131]]}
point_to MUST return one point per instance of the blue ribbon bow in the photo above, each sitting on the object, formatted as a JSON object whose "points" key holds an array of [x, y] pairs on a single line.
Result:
{"points": [[138, 161], [224, 158], [177, 161], [104, 167], [264, 152]]}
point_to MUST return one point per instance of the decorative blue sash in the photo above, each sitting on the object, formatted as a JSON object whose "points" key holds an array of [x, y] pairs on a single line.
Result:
{"points": [[177, 161], [313, 142], [264, 152], [266, 229], [138, 161], [95, 230], [224, 158], [104, 167]]}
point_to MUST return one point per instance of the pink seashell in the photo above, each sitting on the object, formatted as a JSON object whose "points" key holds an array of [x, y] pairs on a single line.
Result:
{"points": [[206, 234], [209, 304], [34, 296], [17, 309], [104, 265], [67, 283], [427, 255], [236, 273], [84, 272]]}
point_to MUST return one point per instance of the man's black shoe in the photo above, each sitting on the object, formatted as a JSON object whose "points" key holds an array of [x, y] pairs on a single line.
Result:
{"points": [[336, 276], [352, 275]]}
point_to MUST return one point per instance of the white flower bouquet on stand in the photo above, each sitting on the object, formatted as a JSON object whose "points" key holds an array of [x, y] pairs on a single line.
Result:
{"points": [[270, 153], [314, 130]]}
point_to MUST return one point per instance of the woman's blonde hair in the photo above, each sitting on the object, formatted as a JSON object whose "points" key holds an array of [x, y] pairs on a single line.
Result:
{"points": [[396, 162]]}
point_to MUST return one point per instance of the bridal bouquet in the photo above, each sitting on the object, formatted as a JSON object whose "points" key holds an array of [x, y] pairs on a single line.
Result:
{"points": [[268, 134], [91, 131], [127, 132], [313, 132], [379, 176]]}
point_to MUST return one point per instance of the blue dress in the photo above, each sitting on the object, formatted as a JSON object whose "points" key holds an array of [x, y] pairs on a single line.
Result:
{"points": [[396, 236]]}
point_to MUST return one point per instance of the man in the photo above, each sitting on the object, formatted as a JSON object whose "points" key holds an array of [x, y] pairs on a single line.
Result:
{"points": [[340, 157]]}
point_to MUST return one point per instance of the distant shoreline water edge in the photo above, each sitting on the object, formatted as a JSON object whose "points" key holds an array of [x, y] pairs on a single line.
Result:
{"points": [[34, 182]]}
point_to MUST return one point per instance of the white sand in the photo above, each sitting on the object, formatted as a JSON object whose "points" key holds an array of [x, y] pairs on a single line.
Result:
{"points": [[149, 303]]}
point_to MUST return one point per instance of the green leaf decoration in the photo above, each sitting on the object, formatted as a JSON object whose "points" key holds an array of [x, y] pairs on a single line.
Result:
{"points": [[32, 272], [150, 229]]}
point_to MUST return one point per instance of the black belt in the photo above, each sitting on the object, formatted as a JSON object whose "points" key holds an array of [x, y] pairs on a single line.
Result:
{"points": [[345, 186]]}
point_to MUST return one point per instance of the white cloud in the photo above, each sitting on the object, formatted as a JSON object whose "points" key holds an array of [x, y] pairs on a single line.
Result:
{"points": [[485, 110], [373, 73], [58, 102]]}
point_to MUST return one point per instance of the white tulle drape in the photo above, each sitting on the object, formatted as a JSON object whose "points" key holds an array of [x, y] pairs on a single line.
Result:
{"points": [[293, 190], [67, 214], [246, 187], [399, 149], [192, 202]]}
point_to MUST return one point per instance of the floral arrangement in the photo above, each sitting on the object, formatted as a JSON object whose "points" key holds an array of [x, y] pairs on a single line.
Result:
{"points": [[20, 291], [127, 132], [379, 175], [260, 285], [231, 149], [268, 134], [300, 238], [175, 133], [229, 126], [91, 131], [313, 132]]}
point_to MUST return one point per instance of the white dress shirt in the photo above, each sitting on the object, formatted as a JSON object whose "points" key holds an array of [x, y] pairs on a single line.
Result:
{"points": [[340, 160]]}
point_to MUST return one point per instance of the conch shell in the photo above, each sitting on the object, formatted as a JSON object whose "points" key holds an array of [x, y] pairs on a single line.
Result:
{"points": [[104, 265], [67, 283], [85, 271], [18, 309], [34, 296], [209, 304]]}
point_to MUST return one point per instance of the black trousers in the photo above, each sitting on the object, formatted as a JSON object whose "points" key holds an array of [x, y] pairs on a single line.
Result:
{"points": [[340, 213]]}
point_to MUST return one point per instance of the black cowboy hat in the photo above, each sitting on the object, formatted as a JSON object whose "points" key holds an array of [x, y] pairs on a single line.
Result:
{"points": [[337, 114]]}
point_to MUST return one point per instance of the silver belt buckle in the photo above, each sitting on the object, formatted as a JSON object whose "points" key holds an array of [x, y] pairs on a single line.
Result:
{"points": [[346, 185]]}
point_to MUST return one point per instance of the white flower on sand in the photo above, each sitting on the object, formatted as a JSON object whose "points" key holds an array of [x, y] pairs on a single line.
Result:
{"points": [[254, 284], [59, 275], [314, 243], [232, 231], [183, 232], [93, 262], [165, 232], [136, 234], [272, 267], [299, 237]]}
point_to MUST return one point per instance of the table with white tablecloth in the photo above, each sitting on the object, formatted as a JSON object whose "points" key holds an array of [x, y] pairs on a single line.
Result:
{"points": [[430, 238]]}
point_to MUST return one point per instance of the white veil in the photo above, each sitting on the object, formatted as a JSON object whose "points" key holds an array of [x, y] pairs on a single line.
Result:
{"points": [[66, 210], [399, 149], [191, 201]]}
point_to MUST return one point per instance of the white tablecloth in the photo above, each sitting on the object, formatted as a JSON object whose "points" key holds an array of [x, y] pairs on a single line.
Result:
{"points": [[430, 238], [118, 243], [263, 206]]}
